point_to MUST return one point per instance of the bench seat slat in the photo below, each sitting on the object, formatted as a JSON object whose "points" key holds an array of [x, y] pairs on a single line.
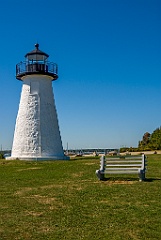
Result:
{"points": [[124, 161], [122, 169], [121, 172], [124, 165], [126, 158], [129, 158]]}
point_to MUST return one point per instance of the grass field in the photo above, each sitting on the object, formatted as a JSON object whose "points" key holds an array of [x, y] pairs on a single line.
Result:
{"points": [[65, 200]]}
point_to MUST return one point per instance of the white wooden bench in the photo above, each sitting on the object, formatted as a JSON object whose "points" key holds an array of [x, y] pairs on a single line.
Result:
{"points": [[122, 165]]}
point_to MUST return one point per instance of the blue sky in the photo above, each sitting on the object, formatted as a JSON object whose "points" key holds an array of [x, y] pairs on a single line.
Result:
{"points": [[109, 55]]}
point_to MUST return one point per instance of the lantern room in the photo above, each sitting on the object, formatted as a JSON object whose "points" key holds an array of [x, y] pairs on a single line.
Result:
{"points": [[36, 62]]}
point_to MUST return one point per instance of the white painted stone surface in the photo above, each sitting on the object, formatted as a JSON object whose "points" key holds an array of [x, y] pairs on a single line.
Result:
{"points": [[37, 134]]}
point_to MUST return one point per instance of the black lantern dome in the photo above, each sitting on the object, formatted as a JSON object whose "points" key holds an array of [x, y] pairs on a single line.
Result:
{"points": [[36, 63], [36, 54]]}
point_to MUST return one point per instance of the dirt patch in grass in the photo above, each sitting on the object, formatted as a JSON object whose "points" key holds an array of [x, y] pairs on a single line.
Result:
{"points": [[26, 169], [43, 199], [34, 214], [4, 206], [52, 203], [122, 182], [133, 235], [105, 201], [76, 187], [23, 191], [51, 186], [91, 163], [111, 182], [78, 174], [45, 229]]}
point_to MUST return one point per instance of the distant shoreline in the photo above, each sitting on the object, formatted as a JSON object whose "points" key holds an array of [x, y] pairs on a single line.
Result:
{"points": [[145, 152]]}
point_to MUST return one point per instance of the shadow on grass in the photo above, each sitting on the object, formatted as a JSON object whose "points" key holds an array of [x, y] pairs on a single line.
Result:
{"points": [[129, 179], [152, 179], [114, 179]]}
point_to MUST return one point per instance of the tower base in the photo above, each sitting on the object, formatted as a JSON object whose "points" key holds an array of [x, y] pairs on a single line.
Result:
{"points": [[39, 158]]}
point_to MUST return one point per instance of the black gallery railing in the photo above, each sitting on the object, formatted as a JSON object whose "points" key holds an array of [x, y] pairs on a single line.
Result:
{"points": [[29, 67]]}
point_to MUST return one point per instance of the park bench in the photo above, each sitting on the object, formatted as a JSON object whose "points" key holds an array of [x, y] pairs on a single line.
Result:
{"points": [[122, 165]]}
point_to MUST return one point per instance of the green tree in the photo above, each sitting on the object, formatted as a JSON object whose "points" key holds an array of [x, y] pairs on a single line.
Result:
{"points": [[143, 144], [155, 139], [1, 156], [151, 141]]}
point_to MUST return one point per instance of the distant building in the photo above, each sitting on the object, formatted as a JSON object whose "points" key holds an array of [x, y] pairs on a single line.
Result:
{"points": [[94, 151]]}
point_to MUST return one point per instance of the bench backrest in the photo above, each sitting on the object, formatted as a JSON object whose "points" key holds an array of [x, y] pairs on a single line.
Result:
{"points": [[133, 162]]}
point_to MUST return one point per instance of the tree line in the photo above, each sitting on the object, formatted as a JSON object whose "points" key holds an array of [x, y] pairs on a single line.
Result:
{"points": [[149, 142]]}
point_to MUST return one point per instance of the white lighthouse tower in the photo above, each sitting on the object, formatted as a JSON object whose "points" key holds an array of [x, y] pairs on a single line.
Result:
{"points": [[37, 135]]}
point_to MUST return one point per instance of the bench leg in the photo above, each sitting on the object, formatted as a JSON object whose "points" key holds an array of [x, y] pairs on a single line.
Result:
{"points": [[100, 175], [141, 175]]}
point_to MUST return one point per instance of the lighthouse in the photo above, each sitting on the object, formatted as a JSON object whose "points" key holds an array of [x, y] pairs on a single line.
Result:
{"points": [[37, 134]]}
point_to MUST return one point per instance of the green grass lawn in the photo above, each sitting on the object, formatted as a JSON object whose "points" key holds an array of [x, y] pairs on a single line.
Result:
{"points": [[65, 200]]}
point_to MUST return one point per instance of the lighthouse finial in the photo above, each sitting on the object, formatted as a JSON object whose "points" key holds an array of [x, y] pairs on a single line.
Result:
{"points": [[37, 46]]}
